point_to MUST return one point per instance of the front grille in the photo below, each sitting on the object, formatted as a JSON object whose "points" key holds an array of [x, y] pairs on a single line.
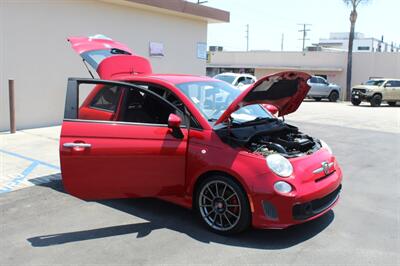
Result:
{"points": [[355, 91], [308, 209]]}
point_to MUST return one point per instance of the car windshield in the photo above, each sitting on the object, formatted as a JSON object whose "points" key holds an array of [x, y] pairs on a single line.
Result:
{"points": [[374, 82], [226, 78], [212, 98]]}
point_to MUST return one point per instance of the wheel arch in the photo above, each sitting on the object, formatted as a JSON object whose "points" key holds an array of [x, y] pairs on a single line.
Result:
{"points": [[231, 176]]}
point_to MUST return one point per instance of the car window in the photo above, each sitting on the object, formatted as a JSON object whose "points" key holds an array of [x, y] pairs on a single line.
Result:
{"points": [[142, 107], [106, 99], [241, 80], [313, 80], [226, 78], [374, 82], [247, 81], [321, 81], [393, 83]]}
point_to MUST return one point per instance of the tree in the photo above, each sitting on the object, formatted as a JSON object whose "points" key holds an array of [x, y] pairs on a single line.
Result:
{"points": [[353, 18]]}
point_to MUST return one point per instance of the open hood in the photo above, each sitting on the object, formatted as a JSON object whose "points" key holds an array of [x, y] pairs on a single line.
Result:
{"points": [[285, 90], [108, 57]]}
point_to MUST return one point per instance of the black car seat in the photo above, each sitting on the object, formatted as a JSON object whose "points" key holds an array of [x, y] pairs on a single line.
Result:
{"points": [[136, 109]]}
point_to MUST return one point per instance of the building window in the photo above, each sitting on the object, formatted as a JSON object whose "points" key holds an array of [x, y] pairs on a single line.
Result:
{"points": [[363, 48]]}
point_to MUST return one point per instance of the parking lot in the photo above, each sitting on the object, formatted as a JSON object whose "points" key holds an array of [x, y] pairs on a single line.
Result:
{"points": [[41, 224]]}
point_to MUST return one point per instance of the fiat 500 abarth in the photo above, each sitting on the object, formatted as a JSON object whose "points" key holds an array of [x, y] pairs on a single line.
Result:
{"points": [[194, 141]]}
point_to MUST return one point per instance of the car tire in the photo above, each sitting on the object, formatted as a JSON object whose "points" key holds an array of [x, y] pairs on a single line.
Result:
{"points": [[333, 96], [392, 103], [376, 100], [355, 102], [317, 99], [222, 205]]}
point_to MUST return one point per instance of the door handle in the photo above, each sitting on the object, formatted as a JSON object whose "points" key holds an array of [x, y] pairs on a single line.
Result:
{"points": [[77, 145]]}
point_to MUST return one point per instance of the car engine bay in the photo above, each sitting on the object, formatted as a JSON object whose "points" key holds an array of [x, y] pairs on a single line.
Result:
{"points": [[274, 136]]}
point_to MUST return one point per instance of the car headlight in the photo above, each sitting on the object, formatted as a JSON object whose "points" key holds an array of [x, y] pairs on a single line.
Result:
{"points": [[279, 165], [326, 146], [282, 187], [368, 90]]}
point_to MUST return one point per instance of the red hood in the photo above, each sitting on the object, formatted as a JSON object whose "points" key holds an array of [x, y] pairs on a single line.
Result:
{"points": [[285, 90], [97, 42]]}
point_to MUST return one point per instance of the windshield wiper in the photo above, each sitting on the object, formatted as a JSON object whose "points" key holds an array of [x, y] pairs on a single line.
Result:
{"points": [[257, 120]]}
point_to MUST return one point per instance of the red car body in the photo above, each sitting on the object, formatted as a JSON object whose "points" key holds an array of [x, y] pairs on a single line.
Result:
{"points": [[103, 158]]}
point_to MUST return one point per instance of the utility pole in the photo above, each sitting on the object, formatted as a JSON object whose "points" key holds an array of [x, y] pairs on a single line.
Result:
{"points": [[247, 37], [304, 31], [282, 38]]}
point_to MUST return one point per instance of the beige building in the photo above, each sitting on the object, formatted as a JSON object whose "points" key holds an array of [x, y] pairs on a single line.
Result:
{"points": [[35, 53], [332, 65]]}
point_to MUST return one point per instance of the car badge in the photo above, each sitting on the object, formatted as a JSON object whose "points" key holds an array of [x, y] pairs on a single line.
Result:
{"points": [[325, 168]]}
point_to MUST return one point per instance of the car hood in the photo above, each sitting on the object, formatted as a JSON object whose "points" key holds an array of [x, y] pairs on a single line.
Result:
{"points": [[285, 90], [365, 87]]}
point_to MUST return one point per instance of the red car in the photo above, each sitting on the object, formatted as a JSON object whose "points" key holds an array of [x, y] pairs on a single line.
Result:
{"points": [[194, 141]]}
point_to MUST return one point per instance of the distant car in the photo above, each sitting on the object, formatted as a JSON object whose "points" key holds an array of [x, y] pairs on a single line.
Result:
{"points": [[321, 88], [375, 91], [241, 81]]}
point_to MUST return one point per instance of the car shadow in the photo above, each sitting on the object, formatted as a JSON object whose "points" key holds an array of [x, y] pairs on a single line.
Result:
{"points": [[164, 215]]}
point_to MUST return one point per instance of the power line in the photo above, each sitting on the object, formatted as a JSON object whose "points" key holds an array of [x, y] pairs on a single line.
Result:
{"points": [[304, 31], [247, 37]]}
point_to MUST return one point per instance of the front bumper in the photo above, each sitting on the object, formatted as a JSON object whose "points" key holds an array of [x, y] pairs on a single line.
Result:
{"points": [[313, 200], [360, 95]]}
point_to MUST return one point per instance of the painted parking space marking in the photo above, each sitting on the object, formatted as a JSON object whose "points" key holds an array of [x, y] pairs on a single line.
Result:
{"points": [[18, 180]]}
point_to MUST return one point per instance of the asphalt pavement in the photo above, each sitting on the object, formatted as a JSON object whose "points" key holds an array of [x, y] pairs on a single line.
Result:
{"points": [[42, 225]]}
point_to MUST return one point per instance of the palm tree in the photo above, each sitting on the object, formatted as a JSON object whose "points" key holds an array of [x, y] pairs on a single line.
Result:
{"points": [[353, 18]]}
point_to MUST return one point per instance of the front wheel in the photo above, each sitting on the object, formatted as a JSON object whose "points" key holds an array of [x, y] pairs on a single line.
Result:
{"points": [[223, 205], [334, 96], [376, 100], [355, 102]]}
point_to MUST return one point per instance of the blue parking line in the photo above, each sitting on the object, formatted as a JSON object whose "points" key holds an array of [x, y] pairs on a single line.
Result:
{"points": [[30, 159], [21, 177]]}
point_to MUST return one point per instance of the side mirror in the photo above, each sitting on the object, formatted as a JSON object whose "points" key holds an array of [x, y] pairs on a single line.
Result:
{"points": [[271, 108], [174, 121], [388, 85], [240, 84]]}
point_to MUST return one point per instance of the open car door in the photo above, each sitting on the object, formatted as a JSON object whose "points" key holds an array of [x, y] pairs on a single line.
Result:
{"points": [[103, 159]]}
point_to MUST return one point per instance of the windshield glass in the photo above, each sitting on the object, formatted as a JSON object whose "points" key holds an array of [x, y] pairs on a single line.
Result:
{"points": [[225, 78], [374, 82], [212, 98], [95, 57]]}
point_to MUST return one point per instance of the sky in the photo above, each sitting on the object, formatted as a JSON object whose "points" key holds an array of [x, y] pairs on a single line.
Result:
{"points": [[269, 19]]}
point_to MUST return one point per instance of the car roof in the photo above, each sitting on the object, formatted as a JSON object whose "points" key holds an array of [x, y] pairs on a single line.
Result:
{"points": [[235, 74]]}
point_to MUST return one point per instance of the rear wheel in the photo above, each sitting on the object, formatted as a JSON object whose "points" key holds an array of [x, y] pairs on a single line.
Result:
{"points": [[317, 99], [334, 96], [376, 100], [222, 205], [355, 102], [392, 103]]}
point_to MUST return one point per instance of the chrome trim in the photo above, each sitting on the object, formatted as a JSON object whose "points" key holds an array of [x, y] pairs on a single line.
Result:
{"points": [[75, 144], [325, 168]]}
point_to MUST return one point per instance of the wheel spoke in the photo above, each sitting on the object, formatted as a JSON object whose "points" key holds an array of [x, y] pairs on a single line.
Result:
{"points": [[208, 214], [231, 213], [204, 196], [232, 205], [206, 205], [216, 189], [223, 191], [209, 189], [220, 220], [228, 198], [226, 218]]}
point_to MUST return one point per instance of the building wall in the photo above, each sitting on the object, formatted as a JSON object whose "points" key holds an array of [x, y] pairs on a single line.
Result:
{"points": [[331, 64], [34, 50]]}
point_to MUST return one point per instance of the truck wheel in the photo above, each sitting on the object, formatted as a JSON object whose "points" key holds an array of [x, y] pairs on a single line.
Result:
{"points": [[317, 99], [376, 100], [392, 103], [355, 102], [334, 96], [223, 205]]}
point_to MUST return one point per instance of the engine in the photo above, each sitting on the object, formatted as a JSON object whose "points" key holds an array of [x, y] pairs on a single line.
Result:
{"points": [[287, 144]]}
